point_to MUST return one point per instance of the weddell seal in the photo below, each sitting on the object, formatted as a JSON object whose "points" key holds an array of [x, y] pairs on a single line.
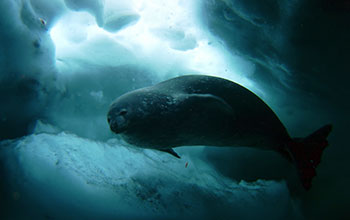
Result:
{"points": [[206, 110]]}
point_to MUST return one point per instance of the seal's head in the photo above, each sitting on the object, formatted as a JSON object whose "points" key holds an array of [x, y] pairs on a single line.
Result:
{"points": [[117, 120], [132, 110], [119, 115]]}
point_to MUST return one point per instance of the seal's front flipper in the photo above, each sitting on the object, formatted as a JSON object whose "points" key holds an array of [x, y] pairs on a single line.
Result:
{"points": [[213, 105], [171, 151]]}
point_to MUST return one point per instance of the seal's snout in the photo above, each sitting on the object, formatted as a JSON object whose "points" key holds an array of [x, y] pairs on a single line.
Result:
{"points": [[114, 127], [112, 124], [117, 123]]}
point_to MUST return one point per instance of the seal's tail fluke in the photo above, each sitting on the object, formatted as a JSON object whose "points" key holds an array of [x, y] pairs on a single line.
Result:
{"points": [[307, 153]]}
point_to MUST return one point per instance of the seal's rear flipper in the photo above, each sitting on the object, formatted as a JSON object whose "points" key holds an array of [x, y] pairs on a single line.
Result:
{"points": [[171, 151], [307, 153]]}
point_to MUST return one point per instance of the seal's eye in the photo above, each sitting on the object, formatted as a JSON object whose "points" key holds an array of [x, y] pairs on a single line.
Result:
{"points": [[123, 112]]}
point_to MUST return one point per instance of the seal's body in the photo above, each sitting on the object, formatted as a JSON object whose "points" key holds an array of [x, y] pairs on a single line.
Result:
{"points": [[203, 110]]}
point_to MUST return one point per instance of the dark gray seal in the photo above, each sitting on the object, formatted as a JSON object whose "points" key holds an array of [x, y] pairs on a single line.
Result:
{"points": [[205, 110]]}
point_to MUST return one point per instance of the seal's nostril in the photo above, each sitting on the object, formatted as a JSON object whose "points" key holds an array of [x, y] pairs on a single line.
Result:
{"points": [[109, 120]]}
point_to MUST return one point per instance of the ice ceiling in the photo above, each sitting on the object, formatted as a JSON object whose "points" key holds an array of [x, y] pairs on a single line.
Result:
{"points": [[62, 62], [143, 32]]}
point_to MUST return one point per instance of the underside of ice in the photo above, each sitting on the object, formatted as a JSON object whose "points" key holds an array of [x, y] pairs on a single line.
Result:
{"points": [[112, 180]]}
